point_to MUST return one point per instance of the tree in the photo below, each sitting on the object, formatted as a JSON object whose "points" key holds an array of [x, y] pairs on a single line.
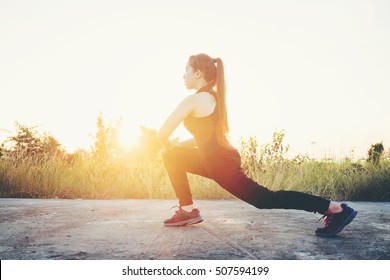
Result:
{"points": [[27, 142], [106, 140], [2, 150], [51, 146], [148, 144], [274, 153], [375, 152]]}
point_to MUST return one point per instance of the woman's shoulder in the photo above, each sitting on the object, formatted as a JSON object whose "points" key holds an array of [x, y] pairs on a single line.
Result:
{"points": [[200, 97], [204, 105], [200, 103], [205, 96]]}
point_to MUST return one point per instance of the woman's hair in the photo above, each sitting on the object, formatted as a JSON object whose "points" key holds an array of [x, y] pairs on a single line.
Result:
{"points": [[213, 71]]}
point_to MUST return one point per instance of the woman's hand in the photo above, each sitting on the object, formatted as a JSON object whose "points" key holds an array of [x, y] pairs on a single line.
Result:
{"points": [[169, 145]]}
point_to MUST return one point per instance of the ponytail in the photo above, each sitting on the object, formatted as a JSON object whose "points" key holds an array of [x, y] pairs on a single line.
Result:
{"points": [[221, 96]]}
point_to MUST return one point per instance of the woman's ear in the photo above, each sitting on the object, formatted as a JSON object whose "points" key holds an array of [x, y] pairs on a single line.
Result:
{"points": [[198, 74]]}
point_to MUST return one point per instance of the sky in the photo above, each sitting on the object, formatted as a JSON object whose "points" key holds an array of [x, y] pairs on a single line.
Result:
{"points": [[319, 70]]}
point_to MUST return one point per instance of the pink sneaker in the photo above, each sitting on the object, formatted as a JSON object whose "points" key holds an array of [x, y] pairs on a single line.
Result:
{"points": [[183, 218]]}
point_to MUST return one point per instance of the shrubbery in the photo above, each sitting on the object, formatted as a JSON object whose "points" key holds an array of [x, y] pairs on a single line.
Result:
{"points": [[35, 165]]}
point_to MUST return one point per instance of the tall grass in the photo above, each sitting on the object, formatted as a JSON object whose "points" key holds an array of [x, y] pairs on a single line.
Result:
{"points": [[35, 166], [83, 178], [127, 177], [332, 180]]}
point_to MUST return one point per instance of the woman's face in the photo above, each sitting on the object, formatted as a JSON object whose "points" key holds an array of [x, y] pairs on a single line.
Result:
{"points": [[190, 76]]}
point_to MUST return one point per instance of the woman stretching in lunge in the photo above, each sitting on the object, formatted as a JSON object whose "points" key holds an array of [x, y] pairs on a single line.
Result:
{"points": [[210, 155]]}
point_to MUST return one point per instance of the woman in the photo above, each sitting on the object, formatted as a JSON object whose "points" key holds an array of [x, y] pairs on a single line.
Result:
{"points": [[209, 154]]}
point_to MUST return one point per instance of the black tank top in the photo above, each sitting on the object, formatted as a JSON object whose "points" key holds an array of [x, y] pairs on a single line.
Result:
{"points": [[204, 130]]}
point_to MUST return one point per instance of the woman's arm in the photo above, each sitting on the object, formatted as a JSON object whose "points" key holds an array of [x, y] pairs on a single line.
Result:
{"points": [[184, 109]]}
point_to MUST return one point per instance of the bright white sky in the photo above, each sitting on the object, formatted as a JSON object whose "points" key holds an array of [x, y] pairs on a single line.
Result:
{"points": [[320, 70]]}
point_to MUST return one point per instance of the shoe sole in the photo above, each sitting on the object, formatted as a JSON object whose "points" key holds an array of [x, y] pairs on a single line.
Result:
{"points": [[189, 222], [347, 221]]}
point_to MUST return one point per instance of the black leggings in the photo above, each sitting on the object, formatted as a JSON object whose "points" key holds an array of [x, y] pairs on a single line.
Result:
{"points": [[226, 171]]}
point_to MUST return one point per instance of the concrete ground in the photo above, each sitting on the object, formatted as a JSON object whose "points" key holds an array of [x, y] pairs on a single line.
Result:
{"points": [[133, 229]]}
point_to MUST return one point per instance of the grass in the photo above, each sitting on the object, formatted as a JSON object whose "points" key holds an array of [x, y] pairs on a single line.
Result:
{"points": [[34, 166], [89, 178], [332, 180]]}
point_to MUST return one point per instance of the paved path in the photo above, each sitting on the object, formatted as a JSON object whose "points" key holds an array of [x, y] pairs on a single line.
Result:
{"points": [[133, 229]]}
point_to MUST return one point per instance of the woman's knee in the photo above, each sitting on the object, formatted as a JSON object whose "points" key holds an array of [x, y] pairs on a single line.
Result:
{"points": [[167, 157], [171, 157]]}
